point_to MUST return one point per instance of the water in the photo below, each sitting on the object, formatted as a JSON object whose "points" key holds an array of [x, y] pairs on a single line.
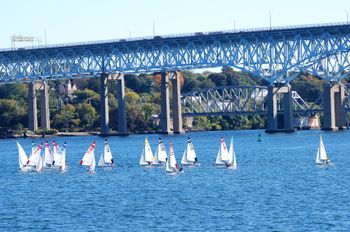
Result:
{"points": [[277, 187]]}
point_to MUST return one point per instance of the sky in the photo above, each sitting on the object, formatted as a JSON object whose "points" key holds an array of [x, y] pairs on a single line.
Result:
{"points": [[66, 21]]}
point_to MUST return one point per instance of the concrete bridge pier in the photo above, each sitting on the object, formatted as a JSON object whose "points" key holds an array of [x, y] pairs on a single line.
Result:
{"points": [[165, 104], [273, 124], [122, 126], [44, 106], [32, 108], [104, 109], [177, 114], [334, 113]]}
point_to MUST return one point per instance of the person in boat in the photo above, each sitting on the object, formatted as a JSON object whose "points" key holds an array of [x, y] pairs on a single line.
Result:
{"points": [[112, 161], [195, 160]]}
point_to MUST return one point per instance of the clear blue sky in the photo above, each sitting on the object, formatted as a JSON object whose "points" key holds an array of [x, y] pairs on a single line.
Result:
{"points": [[85, 20]]}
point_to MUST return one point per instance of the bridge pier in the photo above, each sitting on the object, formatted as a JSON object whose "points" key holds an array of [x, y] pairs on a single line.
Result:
{"points": [[122, 126], [44, 107], [272, 117], [104, 109], [165, 104], [32, 108], [177, 114], [334, 113]]}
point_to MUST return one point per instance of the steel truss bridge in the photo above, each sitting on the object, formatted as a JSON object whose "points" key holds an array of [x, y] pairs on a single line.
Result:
{"points": [[276, 54], [245, 100]]}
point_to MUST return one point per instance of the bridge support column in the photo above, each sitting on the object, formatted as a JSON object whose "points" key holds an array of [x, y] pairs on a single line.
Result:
{"points": [[122, 127], [334, 113], [165, 104], [44, 107], [104, 109], [272, 119], [32, 109], [271, 109], [177, 114], [288, 109]]}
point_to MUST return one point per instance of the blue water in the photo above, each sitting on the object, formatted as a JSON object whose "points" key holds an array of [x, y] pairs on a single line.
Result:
{"points": [[276, 187]]}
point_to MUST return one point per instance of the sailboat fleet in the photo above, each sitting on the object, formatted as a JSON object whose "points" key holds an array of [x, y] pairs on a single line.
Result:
{"points": [[43, 156], [51, 158]]}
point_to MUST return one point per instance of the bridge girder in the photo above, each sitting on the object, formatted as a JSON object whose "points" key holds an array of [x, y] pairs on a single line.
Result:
{"points": [[274, 55]]}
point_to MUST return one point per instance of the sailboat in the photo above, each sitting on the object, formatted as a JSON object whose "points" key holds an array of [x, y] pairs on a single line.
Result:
{"points": [[89, 157], [35, 160], [322, 157], [106, 158], [147, 154], [171, 164], [232, 163], [64, 166], [57, 158], [48, 156], [223, 155], [189, 155], [160, 156], [22, 159]]}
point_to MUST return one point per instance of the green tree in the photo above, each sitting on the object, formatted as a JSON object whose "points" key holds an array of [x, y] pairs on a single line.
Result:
{"points": [[12, 114], [87, 115], [66, 118]]}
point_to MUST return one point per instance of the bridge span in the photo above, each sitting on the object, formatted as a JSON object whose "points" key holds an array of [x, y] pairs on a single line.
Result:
{"points": [[277, 55]]}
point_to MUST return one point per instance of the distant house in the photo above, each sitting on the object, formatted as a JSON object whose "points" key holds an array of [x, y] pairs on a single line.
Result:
{"points": [[67, 88]]}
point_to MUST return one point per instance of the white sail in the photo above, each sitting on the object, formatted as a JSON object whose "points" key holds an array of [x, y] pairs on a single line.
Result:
{"points": [[89, 156], [39, 165], [184, 159], [57, 158], [35, 157], [155, 158], [162, 155], [318, 159], [223, 151], [232, 155], [321, 156], [107, 154], [172, 157], [167, 166], [22, 157], [148, 152], [142, 158], [63, 159], [218, 160], [101, 161], [48, 156], [191, 153], [222, 155], [93, 162]]}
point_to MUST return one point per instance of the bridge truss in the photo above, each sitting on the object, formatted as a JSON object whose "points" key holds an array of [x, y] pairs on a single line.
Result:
{"points": [[240, 100], [276, 54]]}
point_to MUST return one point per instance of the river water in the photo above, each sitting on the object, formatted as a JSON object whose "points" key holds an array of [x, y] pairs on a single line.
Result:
{"points": [[276, 187]]}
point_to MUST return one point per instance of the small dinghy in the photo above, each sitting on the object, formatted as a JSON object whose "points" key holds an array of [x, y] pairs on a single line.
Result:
{"points": [[147, 154], [321, 156], [106, 158], [189, 156], [89, 158], [160, 156]]}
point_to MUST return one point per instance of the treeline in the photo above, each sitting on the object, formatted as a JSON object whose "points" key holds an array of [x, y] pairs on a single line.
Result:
{"points": [[79, 111]]}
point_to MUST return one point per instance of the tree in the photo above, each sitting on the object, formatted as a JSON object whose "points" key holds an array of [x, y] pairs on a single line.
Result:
{"points": [[66, 118], [87, 115], [12, 114], [218, 78]]}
